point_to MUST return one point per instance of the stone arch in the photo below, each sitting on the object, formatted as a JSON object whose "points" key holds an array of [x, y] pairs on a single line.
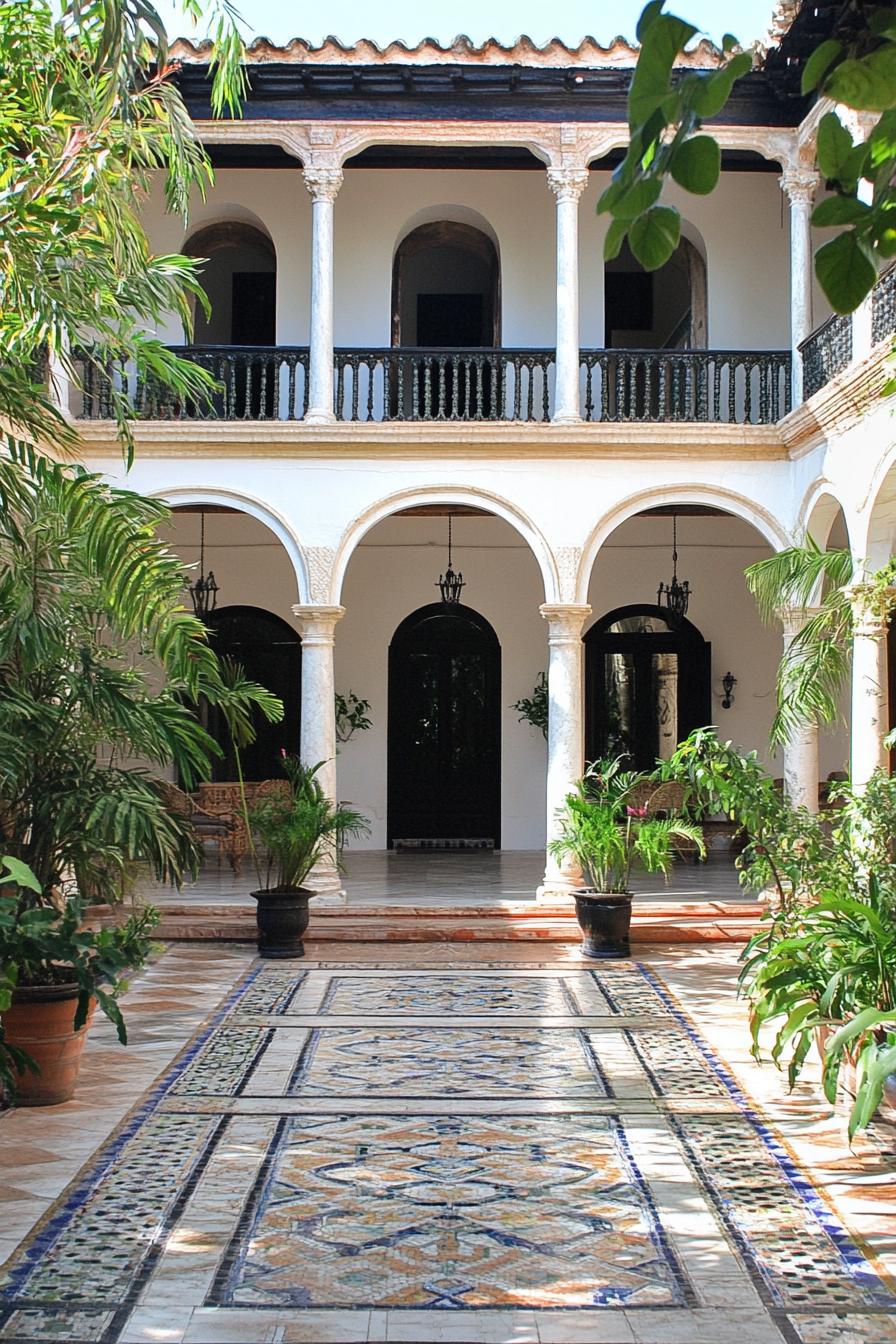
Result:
{"points": [[179, 496], [879, 541], [664, 309], [468, 265], [819, 512], [739, 505], [409, 498]]}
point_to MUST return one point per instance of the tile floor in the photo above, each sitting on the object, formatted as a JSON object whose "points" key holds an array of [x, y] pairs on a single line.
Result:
{"points": [[475, 878], [447, 1144]]}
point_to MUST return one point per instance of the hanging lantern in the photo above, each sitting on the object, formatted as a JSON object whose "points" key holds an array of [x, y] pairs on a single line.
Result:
{"points": [[204, 592], [674, 595], [449, 583]]}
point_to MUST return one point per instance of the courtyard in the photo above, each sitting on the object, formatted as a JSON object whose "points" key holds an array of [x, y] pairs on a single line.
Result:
{"points": [[488, 1143]]}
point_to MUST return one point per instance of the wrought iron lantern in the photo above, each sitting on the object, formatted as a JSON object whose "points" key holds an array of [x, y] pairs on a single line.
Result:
{"points": [[729, 681], [675, 595], [449, 583], [204, 592]]}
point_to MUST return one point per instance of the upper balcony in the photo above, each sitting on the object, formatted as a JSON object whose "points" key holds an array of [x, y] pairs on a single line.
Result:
{"points": [[834, 345]]}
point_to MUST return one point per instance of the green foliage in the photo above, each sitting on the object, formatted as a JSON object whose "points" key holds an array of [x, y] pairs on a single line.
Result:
{"points": [[299, 828], [351, 715], [816, 666], [46, 944], [608, 836], [825, 957], [87, 112], [666, 109], [533, 709], [99, 664]]}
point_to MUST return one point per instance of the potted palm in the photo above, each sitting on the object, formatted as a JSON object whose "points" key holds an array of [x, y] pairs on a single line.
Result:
{"points": [[291, 831], [100, 665], [606, 827]]}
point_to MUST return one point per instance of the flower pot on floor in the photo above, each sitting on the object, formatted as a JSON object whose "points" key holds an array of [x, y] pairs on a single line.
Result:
{"points": [[40, 1022], [282, 918], [605, 919]]}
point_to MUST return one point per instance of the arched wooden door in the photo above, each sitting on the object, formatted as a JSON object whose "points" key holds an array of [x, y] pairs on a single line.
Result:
{"points": [[444, 755], [647, 684], [270, 652]]}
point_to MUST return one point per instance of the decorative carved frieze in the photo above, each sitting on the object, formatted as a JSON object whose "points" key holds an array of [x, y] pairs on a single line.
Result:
{"points": [[323, 183], [567, 184], [319, 561]]}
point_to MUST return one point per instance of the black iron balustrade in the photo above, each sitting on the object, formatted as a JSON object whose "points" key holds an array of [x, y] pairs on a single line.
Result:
{"points": [[417, 383], [883, 307], [255, 382], [658, 386], [825, 353]]}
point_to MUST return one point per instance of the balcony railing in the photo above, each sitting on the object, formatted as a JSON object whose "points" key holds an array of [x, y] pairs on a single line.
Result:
{"points": [[831, 347], [443, 385], [883, 306]]}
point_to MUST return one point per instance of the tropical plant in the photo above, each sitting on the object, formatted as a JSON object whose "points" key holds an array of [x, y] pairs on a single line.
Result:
{"points": [[533, 709], [609, 835], [99, 665], [816, 666], [88, 110], [49, 944], [823, 965], [297, 828], [351, 715], [666, 109]]}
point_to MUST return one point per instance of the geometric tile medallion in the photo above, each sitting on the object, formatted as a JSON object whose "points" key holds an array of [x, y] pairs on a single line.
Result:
{"points": [[440, 1211], [435, 1168]]}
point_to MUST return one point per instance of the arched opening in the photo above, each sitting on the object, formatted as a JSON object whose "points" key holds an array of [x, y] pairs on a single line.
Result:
{"points": [[647, 684], [269, 652], [446, 288], [444, 743], [656, 310], [239, 279]]}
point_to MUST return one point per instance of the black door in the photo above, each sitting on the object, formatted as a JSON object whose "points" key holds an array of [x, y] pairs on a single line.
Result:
{"points": [[444, 757], [270, 652], [647, 685], [254, 322]]}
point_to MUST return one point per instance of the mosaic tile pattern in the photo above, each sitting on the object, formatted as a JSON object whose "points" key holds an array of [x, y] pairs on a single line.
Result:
{"points": [[441, 995], [453, 1213], [800, 1252], [225, 1063], [630, 991], [447, 1062], [47, 1323], [271, 990], [674, 1064], [837, 1329]]}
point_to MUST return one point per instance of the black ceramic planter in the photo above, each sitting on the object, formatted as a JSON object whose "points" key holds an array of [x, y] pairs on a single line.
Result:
{"points": [[605, 919], [282, 918]]}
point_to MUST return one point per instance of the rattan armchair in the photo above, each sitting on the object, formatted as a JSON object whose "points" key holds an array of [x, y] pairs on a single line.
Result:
{"points": [[223, 828]]}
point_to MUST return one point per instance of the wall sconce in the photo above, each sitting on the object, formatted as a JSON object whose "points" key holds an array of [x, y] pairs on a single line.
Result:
{"points": [[729, 681]]}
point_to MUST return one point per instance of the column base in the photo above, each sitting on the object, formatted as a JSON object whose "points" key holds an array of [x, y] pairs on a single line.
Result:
{"points": [[563, 419], [555, 891], [318, 417], [326, 883]]}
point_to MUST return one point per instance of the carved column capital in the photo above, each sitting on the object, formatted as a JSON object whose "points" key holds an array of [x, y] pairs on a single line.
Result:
{"points": [[317, 624], [799, 182], [565, 620], [567, 184], [323, 183], [794, 618], [872, 605]]}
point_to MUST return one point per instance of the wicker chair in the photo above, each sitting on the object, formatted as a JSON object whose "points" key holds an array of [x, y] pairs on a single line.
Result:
{"points": [[221, 828], [664, 800]]}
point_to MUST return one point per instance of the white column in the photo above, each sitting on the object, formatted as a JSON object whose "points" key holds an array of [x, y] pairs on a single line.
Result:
{"points": [[567, 184], [323, 184], [798, 183], [801, 747], [317, 625], [870, 700], [566, 731]]}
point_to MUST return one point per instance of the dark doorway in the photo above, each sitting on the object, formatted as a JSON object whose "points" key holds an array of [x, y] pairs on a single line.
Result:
{"points": [[253, 308], [444, 758], [647, 685], [450, 320], [270, 652]]}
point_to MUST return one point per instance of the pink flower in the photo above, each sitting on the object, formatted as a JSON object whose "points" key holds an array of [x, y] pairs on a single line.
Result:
{"points": [[283, 752], [636, 811]]}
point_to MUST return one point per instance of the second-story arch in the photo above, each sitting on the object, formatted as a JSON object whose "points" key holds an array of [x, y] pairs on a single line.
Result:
{"points": [[239, 277], [658, 310], [446, 287]]}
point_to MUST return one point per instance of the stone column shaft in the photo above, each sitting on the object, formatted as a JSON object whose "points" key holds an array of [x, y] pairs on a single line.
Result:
{"points": [[323, 184], [799, 184], [567, 185], [801, 747], [317, 625], [566, 729], [870, 697]]}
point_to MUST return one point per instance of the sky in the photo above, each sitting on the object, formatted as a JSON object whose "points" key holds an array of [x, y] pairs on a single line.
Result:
{"points": [[410, 21]]}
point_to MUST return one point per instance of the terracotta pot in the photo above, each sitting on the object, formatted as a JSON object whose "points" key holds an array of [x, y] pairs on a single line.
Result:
{"points": [[39, 1021], [281, 918], [605, 919], [847, 1077]]}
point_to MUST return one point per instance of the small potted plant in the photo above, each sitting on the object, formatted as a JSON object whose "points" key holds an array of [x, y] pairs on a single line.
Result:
{"points": [[607, 829], [294, 829]]}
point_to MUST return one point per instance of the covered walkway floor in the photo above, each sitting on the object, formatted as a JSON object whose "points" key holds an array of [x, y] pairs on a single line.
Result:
{"points": [[433, 1144]]}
